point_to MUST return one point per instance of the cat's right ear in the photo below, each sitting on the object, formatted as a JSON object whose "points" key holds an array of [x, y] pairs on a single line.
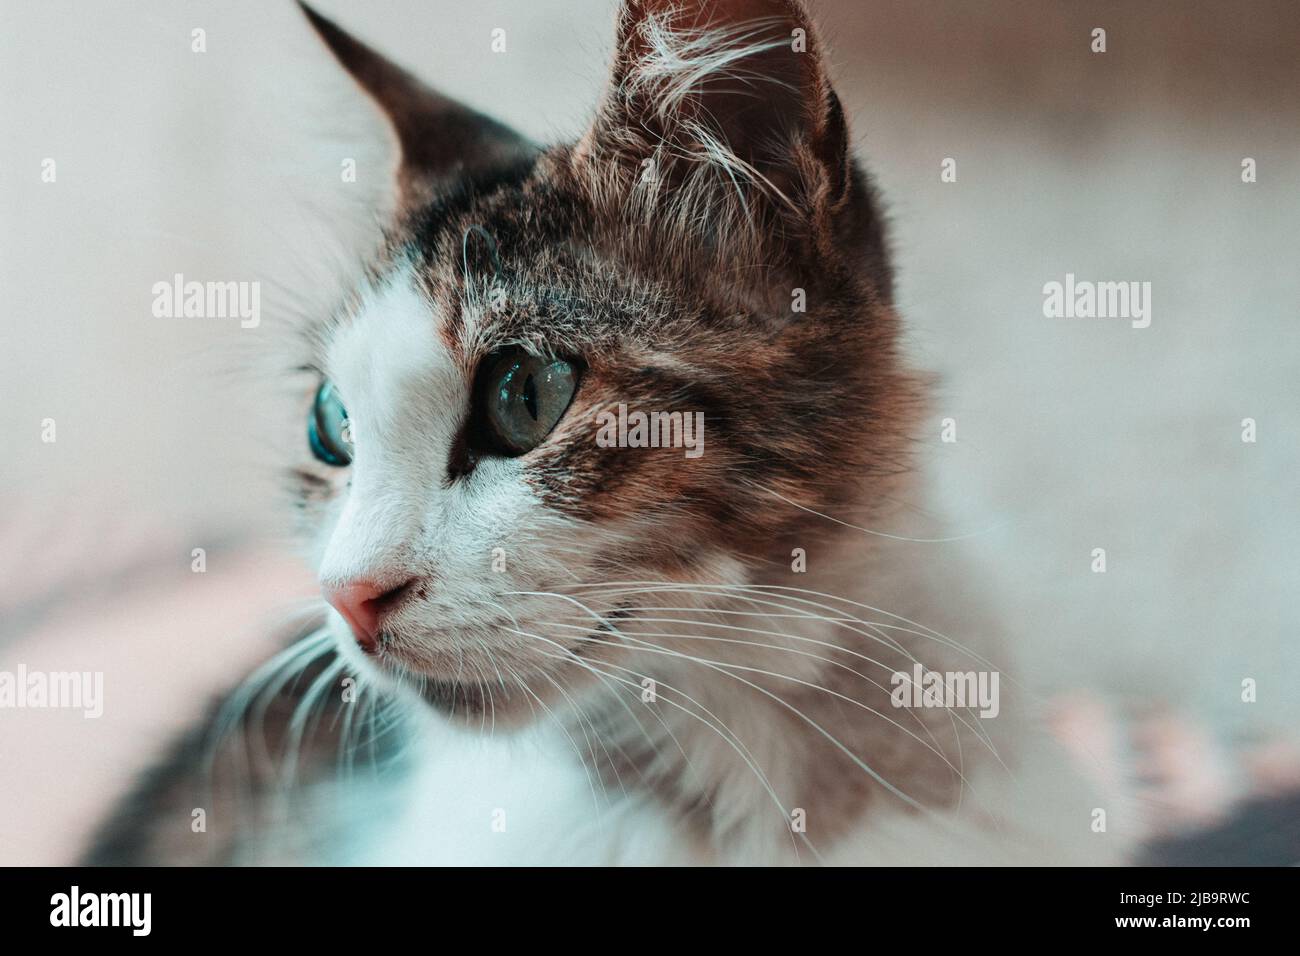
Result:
{"points": [[719, 120], [439, 138]]}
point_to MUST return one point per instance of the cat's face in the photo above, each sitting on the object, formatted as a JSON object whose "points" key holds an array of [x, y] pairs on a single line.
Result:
{"points": [[471, 516]]}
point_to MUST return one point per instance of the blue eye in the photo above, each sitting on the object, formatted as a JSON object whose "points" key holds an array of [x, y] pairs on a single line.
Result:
{"points": [[328, 430]]}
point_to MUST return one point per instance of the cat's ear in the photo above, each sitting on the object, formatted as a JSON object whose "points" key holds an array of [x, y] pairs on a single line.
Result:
{"points": [[438, 137], [728, 97]]}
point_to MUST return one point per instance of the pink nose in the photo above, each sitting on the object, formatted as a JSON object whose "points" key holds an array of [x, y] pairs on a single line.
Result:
{"points": [[363, 606]]}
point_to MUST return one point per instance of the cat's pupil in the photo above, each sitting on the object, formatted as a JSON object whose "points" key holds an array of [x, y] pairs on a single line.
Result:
{"points": [[520, 397], [530, 397]]}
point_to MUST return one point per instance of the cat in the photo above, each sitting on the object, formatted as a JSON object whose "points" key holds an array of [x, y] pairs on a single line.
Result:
{"points": [[544, 648]]}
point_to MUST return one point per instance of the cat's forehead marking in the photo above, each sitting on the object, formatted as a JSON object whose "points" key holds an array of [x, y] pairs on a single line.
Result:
{"points": [[391, 341]]}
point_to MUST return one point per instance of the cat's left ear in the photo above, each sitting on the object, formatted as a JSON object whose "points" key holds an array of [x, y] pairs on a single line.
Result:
{"points": [[439, 138], [723, 102]]}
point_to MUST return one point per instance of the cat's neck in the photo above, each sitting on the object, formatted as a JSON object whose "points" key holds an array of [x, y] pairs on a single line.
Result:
{"points": [[769, 727]]}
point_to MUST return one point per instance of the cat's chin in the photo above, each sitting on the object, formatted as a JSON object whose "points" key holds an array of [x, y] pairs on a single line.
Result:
{"points": [[479, 705], [455, 700], [476, 705], [471, 703]]}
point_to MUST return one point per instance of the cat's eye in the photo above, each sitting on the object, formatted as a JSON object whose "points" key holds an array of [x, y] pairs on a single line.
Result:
{"points": [[519, 398], [328, 429]]}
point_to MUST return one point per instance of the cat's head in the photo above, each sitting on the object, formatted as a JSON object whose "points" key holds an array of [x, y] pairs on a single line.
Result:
{"points": [[707, 249]]}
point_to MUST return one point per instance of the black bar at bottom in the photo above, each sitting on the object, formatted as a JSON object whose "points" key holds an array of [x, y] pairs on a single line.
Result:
{"points": [[365, 907]]}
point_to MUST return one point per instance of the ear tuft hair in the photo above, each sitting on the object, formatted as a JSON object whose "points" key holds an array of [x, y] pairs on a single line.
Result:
{"points": [[721, 113]]}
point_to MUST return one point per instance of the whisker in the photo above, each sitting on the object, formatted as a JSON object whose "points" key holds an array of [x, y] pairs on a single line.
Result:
{"points": [[724, 732], [932, 746], [968, 720], [879, 534]]}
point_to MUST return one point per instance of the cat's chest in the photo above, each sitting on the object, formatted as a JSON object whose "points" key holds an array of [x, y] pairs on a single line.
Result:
{"points": [[505, 800]]}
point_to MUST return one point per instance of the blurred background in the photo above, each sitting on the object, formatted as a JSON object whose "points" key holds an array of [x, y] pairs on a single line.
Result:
{"points": [[173, 434]]}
